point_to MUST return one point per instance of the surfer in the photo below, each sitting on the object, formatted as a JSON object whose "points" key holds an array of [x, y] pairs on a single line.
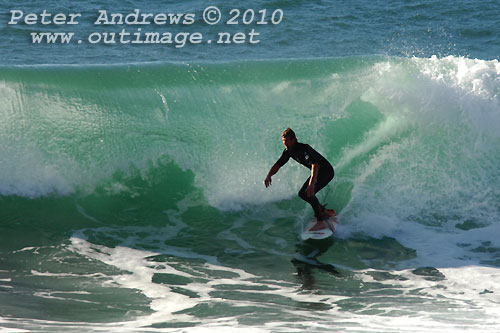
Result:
{"points": [[321, 173]]}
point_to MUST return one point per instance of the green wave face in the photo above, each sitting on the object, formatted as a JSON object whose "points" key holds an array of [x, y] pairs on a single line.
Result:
{"points": [[410, 138]]}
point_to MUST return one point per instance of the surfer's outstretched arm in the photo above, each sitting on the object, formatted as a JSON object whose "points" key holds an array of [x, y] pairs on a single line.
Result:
{"points": [[273, 171]]}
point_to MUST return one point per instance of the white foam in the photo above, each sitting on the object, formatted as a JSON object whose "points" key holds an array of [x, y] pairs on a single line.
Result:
{"points": [[464, 300], [434, 156]]}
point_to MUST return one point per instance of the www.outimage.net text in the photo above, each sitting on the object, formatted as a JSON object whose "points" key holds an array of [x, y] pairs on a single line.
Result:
{"points": [[137, 19]]}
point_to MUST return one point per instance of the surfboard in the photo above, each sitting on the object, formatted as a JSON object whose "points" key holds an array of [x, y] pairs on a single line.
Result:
{"points": [[326, 232]]}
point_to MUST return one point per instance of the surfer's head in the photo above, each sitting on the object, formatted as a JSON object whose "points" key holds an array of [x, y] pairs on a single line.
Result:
{"points": [[288, 138]]}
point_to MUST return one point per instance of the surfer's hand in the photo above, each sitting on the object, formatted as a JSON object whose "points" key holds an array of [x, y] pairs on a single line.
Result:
{"points": [[268, 181]]}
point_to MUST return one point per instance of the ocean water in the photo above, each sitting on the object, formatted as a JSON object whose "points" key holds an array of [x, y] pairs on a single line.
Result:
{"points": [[131, 175]]}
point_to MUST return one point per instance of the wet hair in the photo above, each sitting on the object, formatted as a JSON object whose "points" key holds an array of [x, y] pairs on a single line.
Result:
{"points": [[288, 133]]}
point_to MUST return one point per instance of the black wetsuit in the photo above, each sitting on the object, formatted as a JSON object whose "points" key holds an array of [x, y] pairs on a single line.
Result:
{"points": [[307, 156]]}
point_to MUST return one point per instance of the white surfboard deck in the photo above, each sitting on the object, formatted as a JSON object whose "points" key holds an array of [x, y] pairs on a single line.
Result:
{"points": [[326, 232]]}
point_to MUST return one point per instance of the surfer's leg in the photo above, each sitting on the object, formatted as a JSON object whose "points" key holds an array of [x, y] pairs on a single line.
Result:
{"points": [[313, 201], [323, 179]]}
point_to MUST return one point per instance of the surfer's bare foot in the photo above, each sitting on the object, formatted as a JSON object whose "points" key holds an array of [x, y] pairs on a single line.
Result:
{"points": [[319, 225], [328, 213]]}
